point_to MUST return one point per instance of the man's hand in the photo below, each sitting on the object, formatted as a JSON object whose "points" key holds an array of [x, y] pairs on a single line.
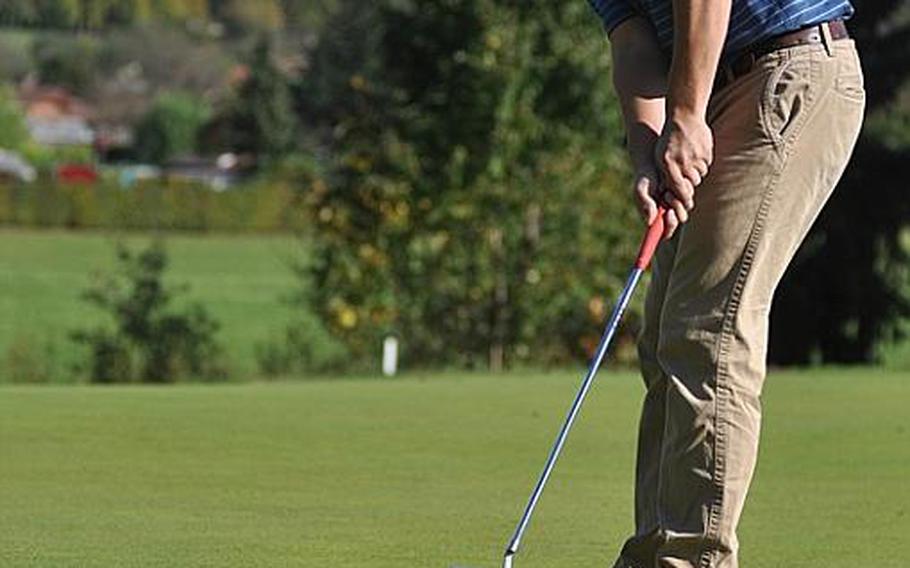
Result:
{"points": [[685, 149], [684, 153]]}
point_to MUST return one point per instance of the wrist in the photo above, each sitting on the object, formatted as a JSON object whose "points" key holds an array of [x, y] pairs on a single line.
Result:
{"points": [[687, 113]]}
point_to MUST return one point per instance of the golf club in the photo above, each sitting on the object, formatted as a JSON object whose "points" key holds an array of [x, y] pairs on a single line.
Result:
{"points": [[646, 252]]}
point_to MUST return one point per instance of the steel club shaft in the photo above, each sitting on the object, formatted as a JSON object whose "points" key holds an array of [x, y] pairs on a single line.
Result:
{"points": [[648, 247]]}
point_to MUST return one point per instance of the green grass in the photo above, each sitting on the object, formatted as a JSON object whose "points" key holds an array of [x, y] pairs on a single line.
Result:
{"points": [[422, 472], [896, 355], [241, 279]]}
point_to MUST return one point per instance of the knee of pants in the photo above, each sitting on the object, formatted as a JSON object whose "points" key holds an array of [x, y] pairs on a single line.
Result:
{"points": [[687, 348], [696, 352]]}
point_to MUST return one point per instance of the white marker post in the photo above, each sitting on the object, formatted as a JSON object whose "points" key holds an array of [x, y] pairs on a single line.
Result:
{"points": [[390, 356]]}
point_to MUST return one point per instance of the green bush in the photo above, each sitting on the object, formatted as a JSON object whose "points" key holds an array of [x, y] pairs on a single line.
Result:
{"points": [[13, 131], [171, 127], [150, 340], [269, 205]]}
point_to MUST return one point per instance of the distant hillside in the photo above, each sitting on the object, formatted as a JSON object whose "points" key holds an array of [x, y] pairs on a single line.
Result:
{"points": [[228, 16]]}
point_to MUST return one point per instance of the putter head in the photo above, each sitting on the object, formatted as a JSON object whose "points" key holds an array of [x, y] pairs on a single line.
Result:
{"points": [[507, 559]]}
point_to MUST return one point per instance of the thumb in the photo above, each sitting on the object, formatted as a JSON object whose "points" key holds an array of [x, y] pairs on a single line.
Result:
{"points": [[645, 187]]}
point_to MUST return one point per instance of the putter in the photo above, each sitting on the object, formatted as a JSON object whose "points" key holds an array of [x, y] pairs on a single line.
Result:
{"points": [[646, 252]]}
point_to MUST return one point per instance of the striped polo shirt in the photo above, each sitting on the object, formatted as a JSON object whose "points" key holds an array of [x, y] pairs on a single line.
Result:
{"points": [[751, 21]]}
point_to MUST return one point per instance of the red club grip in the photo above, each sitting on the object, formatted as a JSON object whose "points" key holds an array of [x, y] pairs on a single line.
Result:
{"points": [[651, 240]]}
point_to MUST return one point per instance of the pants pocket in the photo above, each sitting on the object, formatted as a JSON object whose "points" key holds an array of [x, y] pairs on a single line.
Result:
{"points": [[788, 97]]}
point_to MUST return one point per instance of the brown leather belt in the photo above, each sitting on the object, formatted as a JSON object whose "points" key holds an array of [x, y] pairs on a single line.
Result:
{"points": [[743, 62]]}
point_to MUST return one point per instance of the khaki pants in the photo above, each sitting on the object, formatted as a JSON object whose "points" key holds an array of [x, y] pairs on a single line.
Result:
{"points": [[783, 134]]}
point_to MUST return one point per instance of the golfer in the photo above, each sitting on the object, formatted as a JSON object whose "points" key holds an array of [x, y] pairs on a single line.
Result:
{"points": [[740, 117]]}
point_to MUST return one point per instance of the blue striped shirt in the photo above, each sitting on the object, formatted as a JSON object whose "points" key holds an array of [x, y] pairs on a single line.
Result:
{"points": [[751, 21]]}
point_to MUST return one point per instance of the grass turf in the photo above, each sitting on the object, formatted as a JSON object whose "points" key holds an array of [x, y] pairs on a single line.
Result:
{"points": [[240, 279], [422, 471]]}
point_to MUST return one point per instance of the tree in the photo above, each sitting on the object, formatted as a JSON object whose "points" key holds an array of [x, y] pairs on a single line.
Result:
{"points": [[171, 127], [447, 127], [256, 17], [58, 13], [67, 61], [847, 290], [474, 203], [18, 12], [128, 12], [307, 14], [181, 10], [261, 117]]}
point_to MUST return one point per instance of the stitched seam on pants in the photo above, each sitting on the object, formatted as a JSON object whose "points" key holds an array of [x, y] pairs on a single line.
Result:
{"points": [[721, 369], [722, 379], [625, 562], [785, 149]]}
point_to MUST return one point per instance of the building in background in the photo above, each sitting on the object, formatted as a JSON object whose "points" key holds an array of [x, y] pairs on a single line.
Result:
{"points": [[55, 117]]}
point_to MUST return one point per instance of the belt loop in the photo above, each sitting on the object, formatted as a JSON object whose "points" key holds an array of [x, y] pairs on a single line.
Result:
{"points": [[827, 40]]}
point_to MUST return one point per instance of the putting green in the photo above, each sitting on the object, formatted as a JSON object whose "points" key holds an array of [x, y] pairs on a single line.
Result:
{"points": [[425, 471]]}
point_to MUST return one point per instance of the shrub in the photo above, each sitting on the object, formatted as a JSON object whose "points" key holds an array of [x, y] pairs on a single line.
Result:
{"points": [[13, 131], [150, 340], [303, 347], [265, 206]]}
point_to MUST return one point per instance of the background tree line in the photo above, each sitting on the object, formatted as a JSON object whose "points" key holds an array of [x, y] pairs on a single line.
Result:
{"points": [[848, 289], [465, 185], [475, 198], [236, 15]]}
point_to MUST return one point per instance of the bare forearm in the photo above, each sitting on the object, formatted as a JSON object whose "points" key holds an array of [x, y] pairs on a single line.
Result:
{"points": [[640, 79], [700, 27]]}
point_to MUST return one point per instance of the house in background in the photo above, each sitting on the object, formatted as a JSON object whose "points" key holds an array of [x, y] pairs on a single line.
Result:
{"points": [[55, 117]]}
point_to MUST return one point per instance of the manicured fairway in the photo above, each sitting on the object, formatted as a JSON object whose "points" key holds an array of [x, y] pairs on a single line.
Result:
{"points": [[421, 472], [241, 280]]}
